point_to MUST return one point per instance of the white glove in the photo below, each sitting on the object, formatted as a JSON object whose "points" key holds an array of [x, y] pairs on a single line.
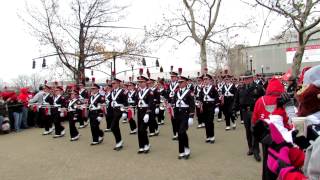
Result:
{"points": [[146, 118], [124, 116], [61, 114], [157, 111], [216, 110], [190, 121], [99, 119]]}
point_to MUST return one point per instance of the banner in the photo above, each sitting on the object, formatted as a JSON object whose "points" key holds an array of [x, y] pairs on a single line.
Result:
{"points": [[311, 54]]}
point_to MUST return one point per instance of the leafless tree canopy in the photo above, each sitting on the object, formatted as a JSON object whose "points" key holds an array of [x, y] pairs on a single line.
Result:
{"points": [[32, 81], [303, 16], [74, 32], [198, 21]]}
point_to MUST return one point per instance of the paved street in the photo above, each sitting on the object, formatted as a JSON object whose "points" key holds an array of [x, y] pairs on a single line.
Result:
{"points": [[30, 156]]}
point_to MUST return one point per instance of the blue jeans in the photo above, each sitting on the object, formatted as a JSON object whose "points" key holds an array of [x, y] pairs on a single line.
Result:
{"points": [[17, 120], [1, 120], [24, 117]]}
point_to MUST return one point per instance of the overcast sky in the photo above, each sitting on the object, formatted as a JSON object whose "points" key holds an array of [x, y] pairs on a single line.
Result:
{"points": [[18, 47]]}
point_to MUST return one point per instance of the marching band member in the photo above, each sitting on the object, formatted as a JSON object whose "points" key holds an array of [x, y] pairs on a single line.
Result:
{"points": [[228, 92], [108, 112], [173, 88], [184, 113], [209, 98], [153, 125], [59, 104], [161, 92], [118, 100], [73, 114], [190, 85], [145, 105], [131, 103], [84, 98], [45, 110], [197, 92], [96, 114], [220, 85]]}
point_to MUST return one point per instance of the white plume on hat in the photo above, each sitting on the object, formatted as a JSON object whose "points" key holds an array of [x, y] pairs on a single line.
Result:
{"points": [[312, 76]]}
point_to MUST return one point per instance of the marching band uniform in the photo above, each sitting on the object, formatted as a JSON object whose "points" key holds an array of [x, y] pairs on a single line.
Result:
{"points": [[173, 88], [220, 86], [209, 98], [96, 115], [153, 125], [59, 103], [161, 92], [131, 102], [108, 114], [145, 105], [84, 98], [45, 110], [199, 112], [228, 92], [73, 115], [184, 113], [118, 100], [190, 86]]}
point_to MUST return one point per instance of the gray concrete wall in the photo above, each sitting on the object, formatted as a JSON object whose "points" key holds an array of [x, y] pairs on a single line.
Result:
{"points": [[271, 56]]}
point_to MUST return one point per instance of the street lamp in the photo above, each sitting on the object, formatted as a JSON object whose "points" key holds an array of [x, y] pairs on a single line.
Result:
{"points": [[114, 64], [132, 71], [143, 62], [44, 63], [251, 63], [157, 63], [33, 64]]}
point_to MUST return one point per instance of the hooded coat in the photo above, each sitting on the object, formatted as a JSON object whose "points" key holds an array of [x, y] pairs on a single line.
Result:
{"points": [[266, 104]]}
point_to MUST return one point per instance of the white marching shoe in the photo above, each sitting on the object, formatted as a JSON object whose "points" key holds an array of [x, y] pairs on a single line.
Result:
{"points": [[212, 140], [49, 131], [75, 138], [234, 125], [60, 135], [175, 137], [133, 131], [181, 156], [100, 140], [187, 153], [219, 120], [118, 146], [146, 148], [228, 128], [107, 130]]}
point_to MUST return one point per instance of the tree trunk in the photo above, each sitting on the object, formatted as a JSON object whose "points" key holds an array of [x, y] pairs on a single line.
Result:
{"points": [[297, 59], [80, 76], [203, 56], [81, 69]]}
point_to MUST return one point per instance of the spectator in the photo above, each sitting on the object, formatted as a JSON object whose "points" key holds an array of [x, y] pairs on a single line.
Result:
{"points": [[3, 111], [24, 97], [15, 106], [264, 106], [38, 98]]}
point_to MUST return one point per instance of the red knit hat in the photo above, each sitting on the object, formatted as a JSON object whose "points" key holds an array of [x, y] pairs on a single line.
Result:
{"points": [[296, 157]]}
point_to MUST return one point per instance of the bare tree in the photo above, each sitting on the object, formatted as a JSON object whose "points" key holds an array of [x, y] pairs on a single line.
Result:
{"points": [[35, 80], [21, 81], [198, 21], [75, 32], [303, 16]]}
